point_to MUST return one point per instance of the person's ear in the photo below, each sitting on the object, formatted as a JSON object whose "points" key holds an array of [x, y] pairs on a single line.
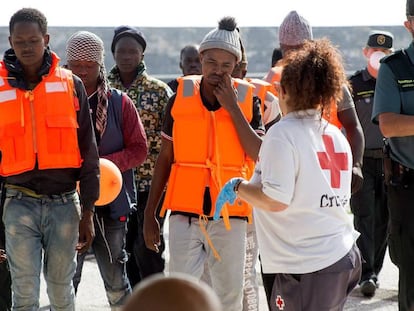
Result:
{"points": [[46, 38], [365, 51], [407, 25]]}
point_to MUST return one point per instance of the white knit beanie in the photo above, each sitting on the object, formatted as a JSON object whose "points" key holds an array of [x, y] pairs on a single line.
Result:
{"points": [[85, 46], [294, 30], [225, 37]]}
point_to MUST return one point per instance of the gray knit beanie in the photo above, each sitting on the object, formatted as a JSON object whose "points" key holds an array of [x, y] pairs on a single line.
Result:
{"points": [[225, 37], [294, 30], [85, 46]]}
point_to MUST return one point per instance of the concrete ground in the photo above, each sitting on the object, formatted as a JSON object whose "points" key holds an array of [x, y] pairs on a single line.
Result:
{"points": [[91, 294]]}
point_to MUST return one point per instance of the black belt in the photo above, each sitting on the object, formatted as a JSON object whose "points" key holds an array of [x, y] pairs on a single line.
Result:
{"points": [[373, 153], [192, 215]]}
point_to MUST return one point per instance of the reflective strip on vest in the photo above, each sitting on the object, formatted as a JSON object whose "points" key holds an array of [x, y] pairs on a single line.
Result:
{"points": [[241, 92], [7, 95], [188, 88], [52, 87], [270, 97]]}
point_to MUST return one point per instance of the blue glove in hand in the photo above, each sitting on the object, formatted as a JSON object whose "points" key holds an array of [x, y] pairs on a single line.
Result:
{"points": [[226, 194]]}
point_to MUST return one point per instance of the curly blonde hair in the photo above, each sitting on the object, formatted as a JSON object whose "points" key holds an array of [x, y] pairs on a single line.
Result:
{"points": [[313, 76]]}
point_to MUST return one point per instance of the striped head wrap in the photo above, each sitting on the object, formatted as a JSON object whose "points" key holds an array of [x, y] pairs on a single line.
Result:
{"points": [[87, 46]]}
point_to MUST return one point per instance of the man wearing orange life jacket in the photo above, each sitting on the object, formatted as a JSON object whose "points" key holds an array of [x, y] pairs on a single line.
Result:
{"points": [[293, 32], [210, 134], [47, 144]]}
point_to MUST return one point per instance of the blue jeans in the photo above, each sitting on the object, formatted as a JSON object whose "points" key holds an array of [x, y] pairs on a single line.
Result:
{"points": [[111, 257], [49, 224]]}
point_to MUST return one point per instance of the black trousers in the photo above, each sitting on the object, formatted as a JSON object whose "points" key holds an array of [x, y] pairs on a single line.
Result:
{"points": [[401, 237], [5, 278], [369, 206], [142, 261], [268, 280], [5, 287]]}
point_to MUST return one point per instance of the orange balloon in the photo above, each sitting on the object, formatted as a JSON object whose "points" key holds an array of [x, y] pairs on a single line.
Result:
{"points": [[110, 182]]}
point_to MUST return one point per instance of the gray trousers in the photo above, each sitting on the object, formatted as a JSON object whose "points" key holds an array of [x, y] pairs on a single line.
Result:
{"points": [[189, 250], [324, 290]]}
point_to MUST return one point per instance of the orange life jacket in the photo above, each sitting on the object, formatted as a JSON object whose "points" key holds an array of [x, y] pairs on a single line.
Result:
{"points": [[40, 124], [274, 76], [207, 150], [264, 91]]}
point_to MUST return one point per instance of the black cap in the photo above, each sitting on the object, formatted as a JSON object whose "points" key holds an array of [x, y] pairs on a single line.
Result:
{"points": [[409, 8], [127, 31], [380, 39]]}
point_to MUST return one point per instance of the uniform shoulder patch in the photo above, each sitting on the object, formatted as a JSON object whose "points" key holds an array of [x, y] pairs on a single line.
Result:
{"points": [[355, 74], [395, 55]]}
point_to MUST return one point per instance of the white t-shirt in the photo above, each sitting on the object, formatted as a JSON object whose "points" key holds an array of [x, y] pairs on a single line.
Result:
{"points": [[305, 163]]}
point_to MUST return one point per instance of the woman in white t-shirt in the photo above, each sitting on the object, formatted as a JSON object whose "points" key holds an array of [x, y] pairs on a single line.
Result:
{"points": [[301, 189]]}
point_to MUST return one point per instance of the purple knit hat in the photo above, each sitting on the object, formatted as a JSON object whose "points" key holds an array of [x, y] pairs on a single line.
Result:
{"points": [[294, 30]]}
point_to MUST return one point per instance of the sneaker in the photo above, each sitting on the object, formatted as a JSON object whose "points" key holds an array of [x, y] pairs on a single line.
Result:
{"points": [[377, 283], [368, 288]]}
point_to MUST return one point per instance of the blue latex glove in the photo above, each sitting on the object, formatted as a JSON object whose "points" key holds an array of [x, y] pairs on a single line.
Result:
{"points": [[226, 194]]}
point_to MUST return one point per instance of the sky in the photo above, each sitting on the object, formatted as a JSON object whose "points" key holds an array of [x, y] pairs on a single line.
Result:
{"points": [[206, 13]]}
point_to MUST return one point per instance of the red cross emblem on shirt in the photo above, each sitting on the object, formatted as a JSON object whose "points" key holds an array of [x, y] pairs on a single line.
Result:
{"points": [[280, 303], [333, 161]]}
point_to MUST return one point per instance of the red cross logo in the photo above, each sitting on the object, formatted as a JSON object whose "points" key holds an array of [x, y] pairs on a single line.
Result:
{"points": [[333, 161], [280, 303]]}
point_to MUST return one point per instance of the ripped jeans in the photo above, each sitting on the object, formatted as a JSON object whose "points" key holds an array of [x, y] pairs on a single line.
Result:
{"points": [[111, 257]]}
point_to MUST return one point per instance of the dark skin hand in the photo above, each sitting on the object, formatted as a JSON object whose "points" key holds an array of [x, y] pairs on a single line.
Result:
{"points": [[86, 232], [226, 94], [357, 179], [159, 180], [355, 136], [3, 256]]}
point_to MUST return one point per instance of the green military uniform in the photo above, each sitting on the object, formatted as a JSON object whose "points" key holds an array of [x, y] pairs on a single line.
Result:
{"points": [[395, 93]]}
